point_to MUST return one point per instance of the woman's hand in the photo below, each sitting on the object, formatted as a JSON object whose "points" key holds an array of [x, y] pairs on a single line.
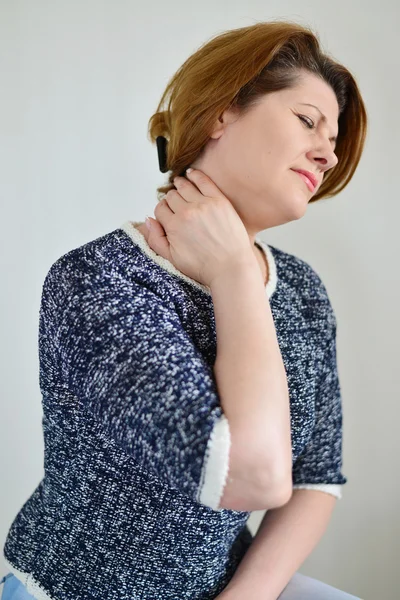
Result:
{"points": [[198, 230]]}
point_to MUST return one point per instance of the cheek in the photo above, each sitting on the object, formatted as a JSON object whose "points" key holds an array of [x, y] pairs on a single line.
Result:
{"points": [[280, 154], [263, 157]]}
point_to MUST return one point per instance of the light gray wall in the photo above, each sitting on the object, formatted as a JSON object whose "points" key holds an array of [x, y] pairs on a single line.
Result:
{"points": [[79, 81]]}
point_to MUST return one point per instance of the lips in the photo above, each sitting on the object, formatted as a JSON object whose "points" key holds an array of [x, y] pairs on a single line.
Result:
{"points": [[309, 178]]}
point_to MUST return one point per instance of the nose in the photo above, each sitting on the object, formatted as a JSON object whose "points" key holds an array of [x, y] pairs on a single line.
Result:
{"points": [[324, 155]]}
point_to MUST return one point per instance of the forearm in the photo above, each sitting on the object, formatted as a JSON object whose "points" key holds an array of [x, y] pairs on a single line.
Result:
{"points": [[250, 374], [286, 536]]}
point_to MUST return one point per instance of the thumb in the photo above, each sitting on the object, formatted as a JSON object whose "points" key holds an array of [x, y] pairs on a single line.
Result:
{"points": [[157, 239]]}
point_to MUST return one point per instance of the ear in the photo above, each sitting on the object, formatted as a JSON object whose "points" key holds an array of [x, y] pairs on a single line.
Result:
{"points": [[230, 115]]}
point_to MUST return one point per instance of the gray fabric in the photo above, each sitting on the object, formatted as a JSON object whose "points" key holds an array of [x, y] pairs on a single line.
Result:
{"points": [[301, 587]]}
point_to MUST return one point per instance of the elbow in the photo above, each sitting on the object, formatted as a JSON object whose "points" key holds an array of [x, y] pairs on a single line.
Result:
{"points": [[278, 488], [253, 484], [281, 495], [254, 492]]}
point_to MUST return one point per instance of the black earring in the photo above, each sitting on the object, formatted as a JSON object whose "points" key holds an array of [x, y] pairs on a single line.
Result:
{"points": [[162, 143]]}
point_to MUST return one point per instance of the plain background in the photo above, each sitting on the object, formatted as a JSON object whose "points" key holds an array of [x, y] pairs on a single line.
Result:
{"points": [[79, 81]]}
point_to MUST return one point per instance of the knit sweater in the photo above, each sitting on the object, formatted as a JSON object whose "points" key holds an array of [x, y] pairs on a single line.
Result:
{"points": [[136, 443]]}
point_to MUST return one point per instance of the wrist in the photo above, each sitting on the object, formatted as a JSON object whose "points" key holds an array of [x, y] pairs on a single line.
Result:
{"points": [[244, 271]]}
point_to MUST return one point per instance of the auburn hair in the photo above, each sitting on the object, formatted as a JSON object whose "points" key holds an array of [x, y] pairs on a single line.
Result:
{"points": [[234, 70]]}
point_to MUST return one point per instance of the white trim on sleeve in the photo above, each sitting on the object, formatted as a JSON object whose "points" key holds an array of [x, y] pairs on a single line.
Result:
{"points": [[329, 488]]}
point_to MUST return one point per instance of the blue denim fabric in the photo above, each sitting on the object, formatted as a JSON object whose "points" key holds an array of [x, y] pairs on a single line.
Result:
{"points": [[14, 589], [298, 588]]}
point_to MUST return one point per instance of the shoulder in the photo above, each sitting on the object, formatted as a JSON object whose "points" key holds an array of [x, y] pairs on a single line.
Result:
{"points": [[106, 271], [110, 256]]}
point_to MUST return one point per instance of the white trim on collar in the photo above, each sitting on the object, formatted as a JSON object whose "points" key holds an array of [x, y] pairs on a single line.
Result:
{"points": [[129, 227], [272, 270]]}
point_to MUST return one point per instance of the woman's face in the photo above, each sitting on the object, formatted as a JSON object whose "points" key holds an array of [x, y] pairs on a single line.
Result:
{"points": [[251, 158]]}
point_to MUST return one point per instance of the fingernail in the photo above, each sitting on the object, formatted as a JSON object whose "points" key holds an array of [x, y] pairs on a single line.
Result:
{"points": [[189, 170], [148, 223]]}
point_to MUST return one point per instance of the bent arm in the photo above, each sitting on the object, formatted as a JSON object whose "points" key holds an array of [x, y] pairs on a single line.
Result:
{"points": [[253, 388]]}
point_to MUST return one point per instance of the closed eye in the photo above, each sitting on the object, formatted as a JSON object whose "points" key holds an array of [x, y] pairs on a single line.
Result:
{"points": [[307, 121]]}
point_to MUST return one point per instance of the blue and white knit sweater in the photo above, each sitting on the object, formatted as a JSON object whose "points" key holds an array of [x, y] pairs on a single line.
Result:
{"points": [[136, 442]]}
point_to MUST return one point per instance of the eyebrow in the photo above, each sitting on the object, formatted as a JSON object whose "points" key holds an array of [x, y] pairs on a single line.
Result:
{"points": [[332, 139]]}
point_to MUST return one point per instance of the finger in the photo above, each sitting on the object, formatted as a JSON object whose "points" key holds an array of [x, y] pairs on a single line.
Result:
{"points": [[157, 239], [176, 202], [155, 229], [163, 211], [187, 190], [204, 184]]}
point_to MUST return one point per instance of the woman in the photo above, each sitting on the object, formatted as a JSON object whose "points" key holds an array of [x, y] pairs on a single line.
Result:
{"points": [[158, 446]]}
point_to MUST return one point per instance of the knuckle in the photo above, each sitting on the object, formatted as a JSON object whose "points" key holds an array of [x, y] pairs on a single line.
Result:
{"points": [[221, 202], [186, 214], [203, 207]]}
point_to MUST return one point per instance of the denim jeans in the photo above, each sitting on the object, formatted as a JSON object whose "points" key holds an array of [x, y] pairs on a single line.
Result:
{"points": [[14, 589], [300, 587]]}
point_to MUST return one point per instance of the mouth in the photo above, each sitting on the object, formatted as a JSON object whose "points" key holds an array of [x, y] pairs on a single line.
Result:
{"points": [[308, 178]]}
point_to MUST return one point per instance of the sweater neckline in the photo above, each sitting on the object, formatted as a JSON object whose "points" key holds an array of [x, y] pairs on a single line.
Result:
{"points": [[129, 227]]}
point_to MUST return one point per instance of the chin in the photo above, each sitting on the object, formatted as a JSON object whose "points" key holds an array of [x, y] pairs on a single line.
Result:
{"points": [[295, 209], [299, 204]]}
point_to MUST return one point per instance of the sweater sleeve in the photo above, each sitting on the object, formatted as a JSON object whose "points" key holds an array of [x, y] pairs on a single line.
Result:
{"points": [[126, 357], [319, 466]]}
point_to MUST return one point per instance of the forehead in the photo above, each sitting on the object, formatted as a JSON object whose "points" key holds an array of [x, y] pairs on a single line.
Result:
{"points": [[313, 90]]}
